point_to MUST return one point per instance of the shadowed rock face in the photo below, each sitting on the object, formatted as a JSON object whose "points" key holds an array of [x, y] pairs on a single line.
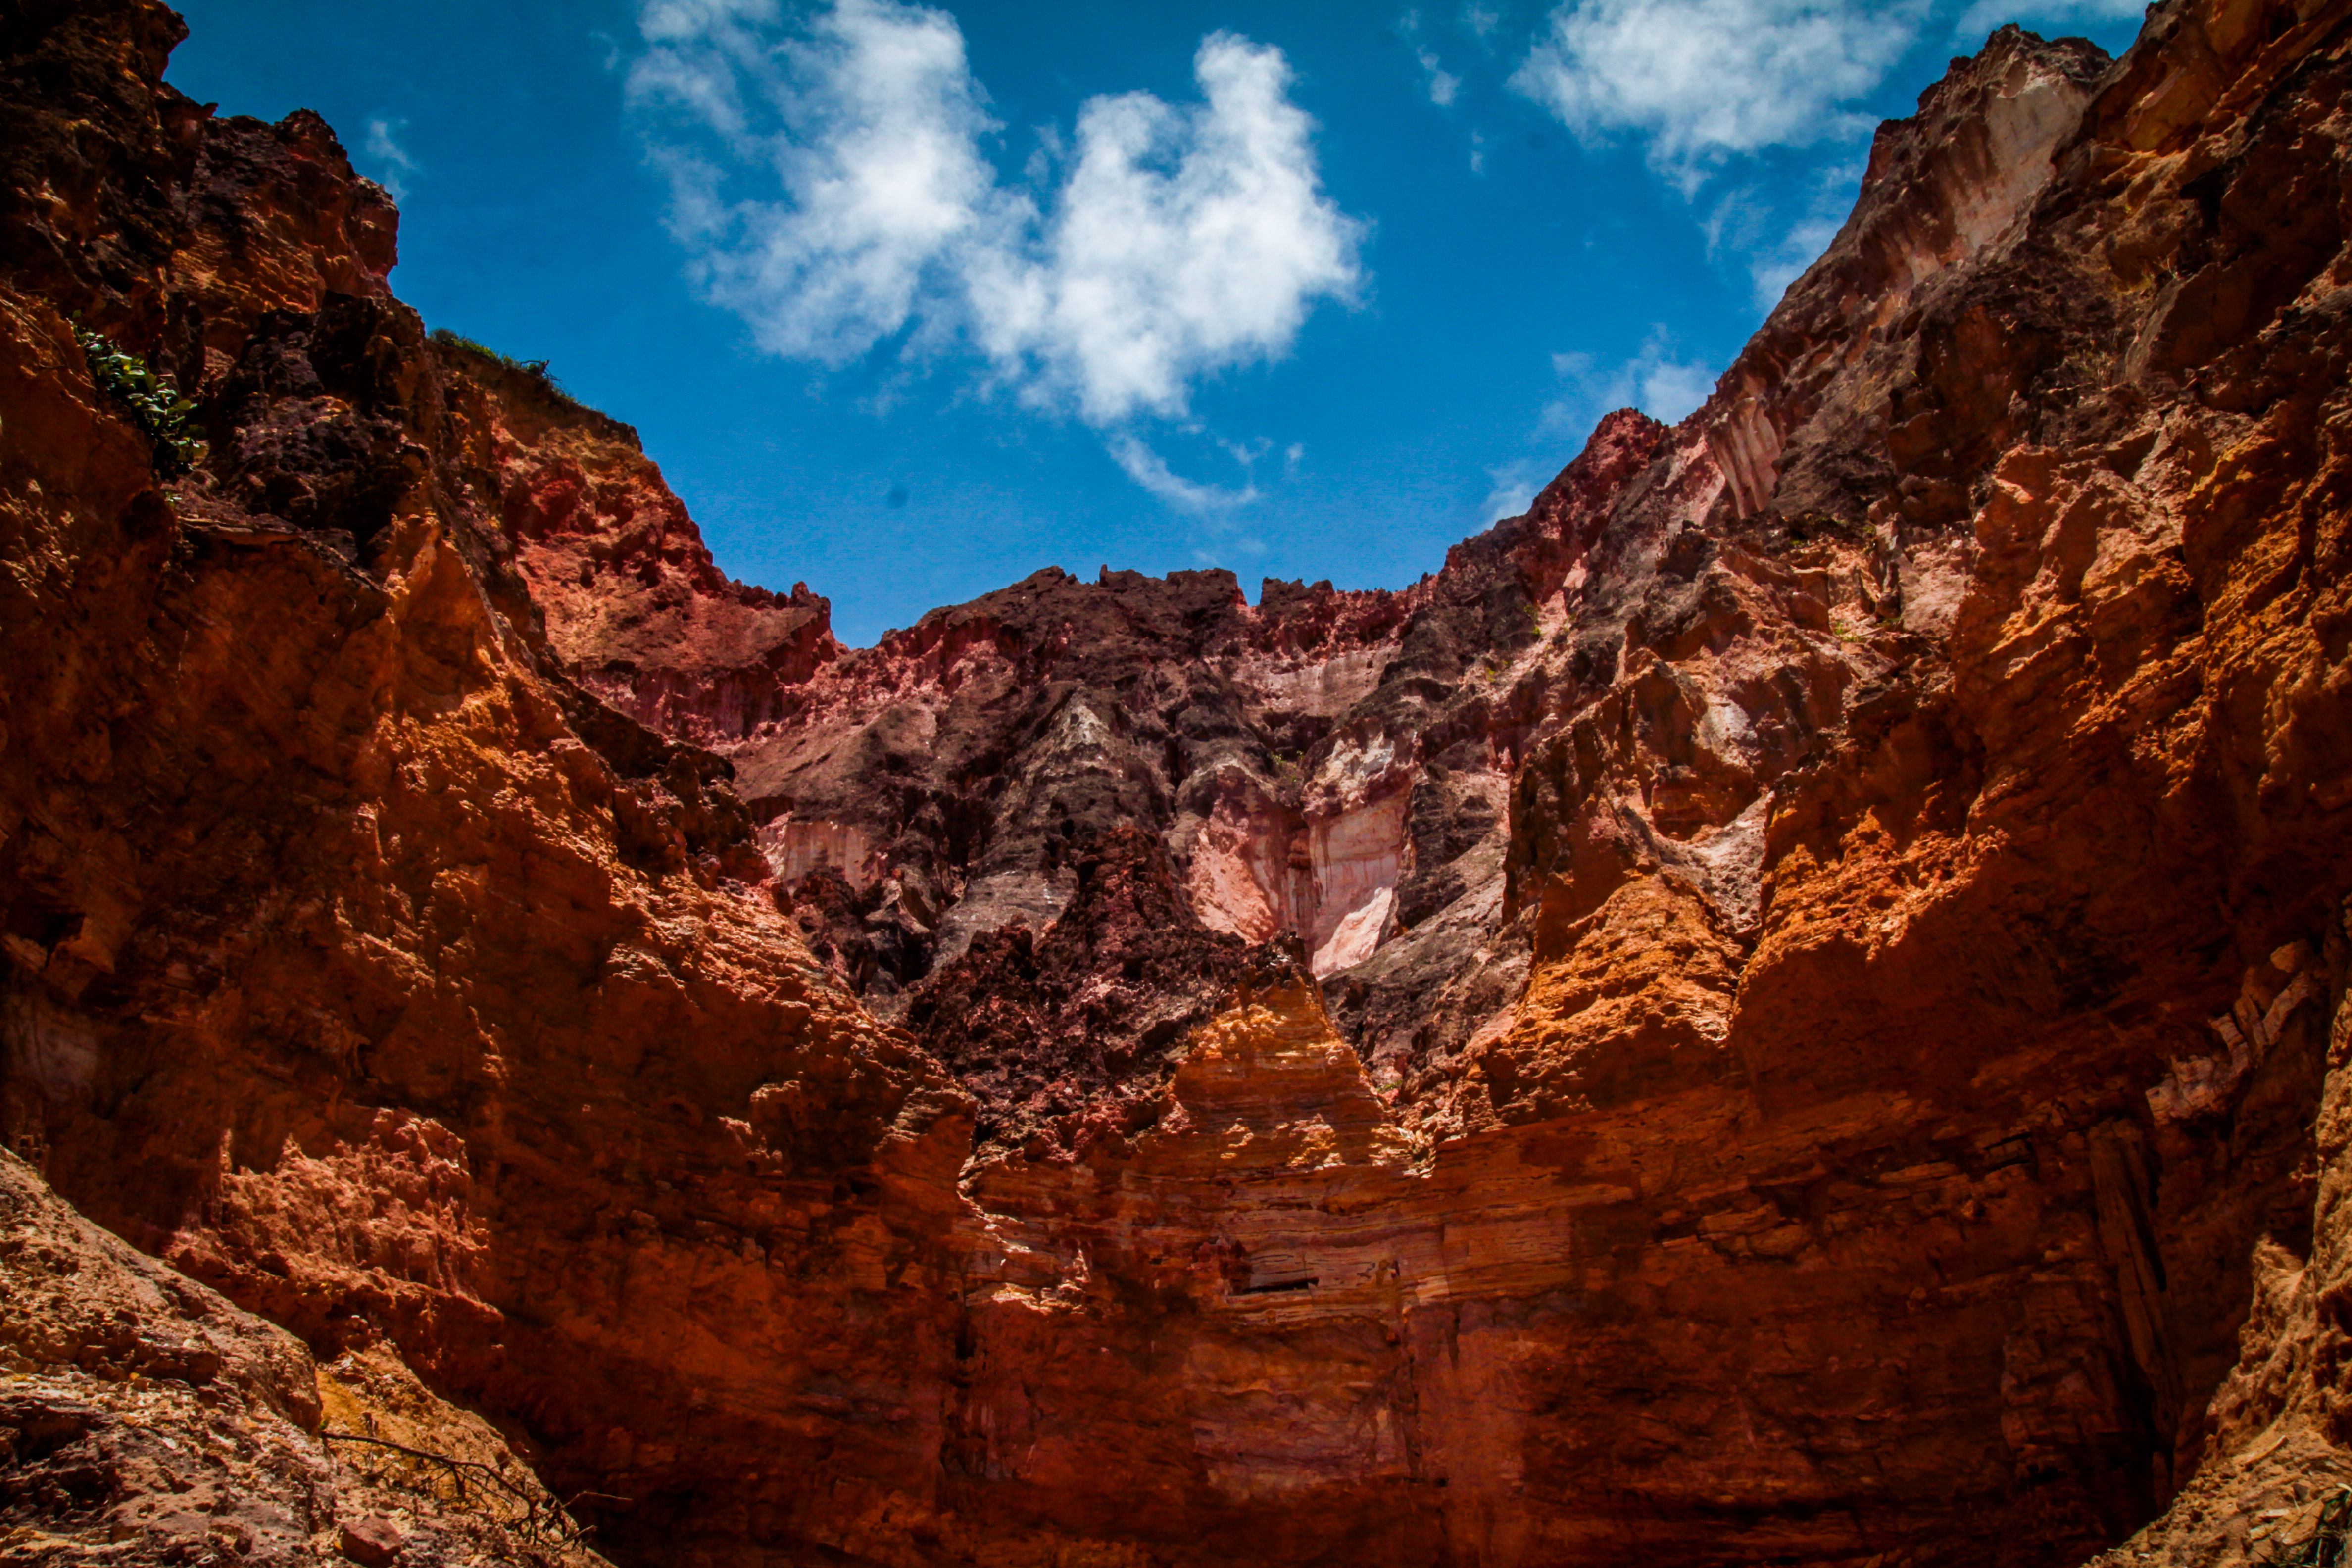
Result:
{"points": [[1788, 1005], [147, 1421]]}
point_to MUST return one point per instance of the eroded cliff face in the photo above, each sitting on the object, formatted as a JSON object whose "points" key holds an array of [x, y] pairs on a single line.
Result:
{"points": [[360, 965], [1777, 1009], [146, 1419]]}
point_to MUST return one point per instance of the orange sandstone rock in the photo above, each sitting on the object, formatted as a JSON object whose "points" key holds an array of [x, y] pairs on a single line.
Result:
{"points": [[1785, 1007]]}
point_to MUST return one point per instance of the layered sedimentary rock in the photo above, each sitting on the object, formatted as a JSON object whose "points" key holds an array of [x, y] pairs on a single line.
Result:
{"points": [[1786, 1005], [362, 965]]}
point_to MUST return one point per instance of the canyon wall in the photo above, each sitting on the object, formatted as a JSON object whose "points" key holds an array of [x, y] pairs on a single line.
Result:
{"points": [[1786, 1005], [146, 1419]]}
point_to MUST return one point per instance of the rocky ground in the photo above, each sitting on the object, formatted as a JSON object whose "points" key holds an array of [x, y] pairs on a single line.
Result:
{"points": [[143, 1419], [1788, 1005]]}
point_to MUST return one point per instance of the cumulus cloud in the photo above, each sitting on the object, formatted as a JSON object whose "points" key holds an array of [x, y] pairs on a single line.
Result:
{"points": [[1703, 80], [829, 182], [1985, 15], [1655, 380], [869, 123], [1183, 241], [383, 148]]}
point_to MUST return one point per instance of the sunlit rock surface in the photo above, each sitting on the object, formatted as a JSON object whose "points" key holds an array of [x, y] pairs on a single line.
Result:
{"points": [[1788, 1005]]}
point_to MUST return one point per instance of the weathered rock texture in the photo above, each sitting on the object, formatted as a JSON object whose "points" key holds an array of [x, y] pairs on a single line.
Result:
{"points": [[360, 965], [1776, 1009], [146, 1420]]}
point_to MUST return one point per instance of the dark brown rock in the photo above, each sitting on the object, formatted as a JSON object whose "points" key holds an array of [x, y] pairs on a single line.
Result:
{"points": [[1075, 1030]]}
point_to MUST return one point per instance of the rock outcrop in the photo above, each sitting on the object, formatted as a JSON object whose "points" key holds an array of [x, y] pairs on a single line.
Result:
{"points": [[361, 965], [1788, 1005], [146, 1420]]}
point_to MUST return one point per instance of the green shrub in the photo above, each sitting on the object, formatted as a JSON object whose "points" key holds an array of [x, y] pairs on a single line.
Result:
{"points": [[536, 369], [153, 404]]}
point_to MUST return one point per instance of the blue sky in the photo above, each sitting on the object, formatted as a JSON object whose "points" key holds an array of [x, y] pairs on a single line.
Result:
{"points": [[909, 301]]}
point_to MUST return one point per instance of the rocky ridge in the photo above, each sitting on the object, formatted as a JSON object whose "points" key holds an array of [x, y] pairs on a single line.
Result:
{"points": [[1786, 1005]]}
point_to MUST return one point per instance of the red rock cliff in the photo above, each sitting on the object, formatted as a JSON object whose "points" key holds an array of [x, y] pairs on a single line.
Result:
{"points": [[1786, 1005]]}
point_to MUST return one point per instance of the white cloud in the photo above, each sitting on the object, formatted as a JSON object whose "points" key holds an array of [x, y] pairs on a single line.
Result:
{"points": [[1179, 241], [1443, 84], [1440, 84], [1776, 248], [695, 49], [1516, 485], [383, 148], [1987, 14], [1654, 380], [1182, 242], [1774, 268], [875, 146], [1703, 80], [1148, 469]]}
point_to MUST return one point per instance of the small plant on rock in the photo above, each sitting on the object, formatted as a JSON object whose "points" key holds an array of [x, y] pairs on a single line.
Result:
{"points": [[536, 369], [153, 404]]}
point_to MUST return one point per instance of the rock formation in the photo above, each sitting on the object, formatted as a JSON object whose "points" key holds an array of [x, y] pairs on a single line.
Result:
{"points": [[144, 1419], [1788, 1005]]}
